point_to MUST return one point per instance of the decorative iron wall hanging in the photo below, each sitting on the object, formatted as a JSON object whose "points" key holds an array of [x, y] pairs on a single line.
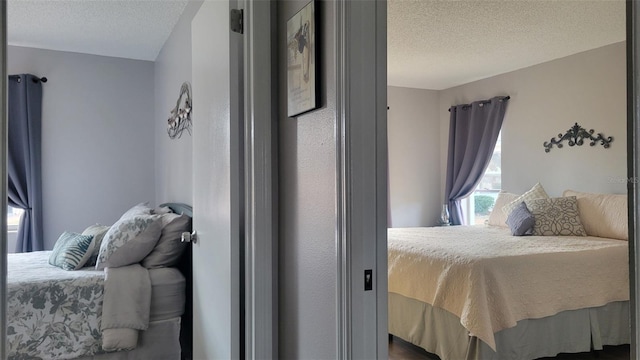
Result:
{"points": [[575, 136], [180, 119]]}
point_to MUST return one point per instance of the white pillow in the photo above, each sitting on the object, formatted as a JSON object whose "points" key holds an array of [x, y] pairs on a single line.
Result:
{"points": [[140, 209], [161, 210], [497, 216], [129, 240], [536, 192], [603, 215]]}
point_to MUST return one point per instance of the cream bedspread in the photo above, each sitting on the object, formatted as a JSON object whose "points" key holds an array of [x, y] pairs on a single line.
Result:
{"points": [[491, 280]]}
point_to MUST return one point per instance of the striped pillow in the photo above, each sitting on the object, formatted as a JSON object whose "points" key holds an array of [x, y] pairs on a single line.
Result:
{"points": [[71, 251]]}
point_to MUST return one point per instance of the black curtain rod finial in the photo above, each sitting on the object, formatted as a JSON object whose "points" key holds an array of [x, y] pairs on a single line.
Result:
{"points": [[485, 101], [35, 79]]}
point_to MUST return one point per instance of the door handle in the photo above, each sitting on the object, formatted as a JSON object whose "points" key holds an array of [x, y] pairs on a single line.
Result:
{"points": [[188, 237]]}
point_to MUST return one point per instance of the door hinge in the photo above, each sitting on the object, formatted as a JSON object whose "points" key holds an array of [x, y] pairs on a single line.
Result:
{"points": [[237, 20]]}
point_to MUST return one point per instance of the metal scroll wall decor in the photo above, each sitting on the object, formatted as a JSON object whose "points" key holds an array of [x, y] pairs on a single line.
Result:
{"points": [[180, 119], [576, 136]]}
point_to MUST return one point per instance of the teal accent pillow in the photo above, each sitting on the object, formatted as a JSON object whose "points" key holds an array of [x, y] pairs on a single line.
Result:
{"points": [[71, 251]]}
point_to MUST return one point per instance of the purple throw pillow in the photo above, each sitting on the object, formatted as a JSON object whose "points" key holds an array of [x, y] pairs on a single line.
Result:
{"points": [[521, 221]]}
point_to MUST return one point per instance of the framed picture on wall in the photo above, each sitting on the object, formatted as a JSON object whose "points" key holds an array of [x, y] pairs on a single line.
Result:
{"points": [[302, 85]]}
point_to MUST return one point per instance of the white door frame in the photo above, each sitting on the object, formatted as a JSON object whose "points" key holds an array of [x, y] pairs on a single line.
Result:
{"points": [[633, 168], [3, 177], [260, 154], [361, 144]]}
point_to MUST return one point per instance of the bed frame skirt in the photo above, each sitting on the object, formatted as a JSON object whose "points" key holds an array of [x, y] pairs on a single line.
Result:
{"points": [[160, 341], [440, 332]]}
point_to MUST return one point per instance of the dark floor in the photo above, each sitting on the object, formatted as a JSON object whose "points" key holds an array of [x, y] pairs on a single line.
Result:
{"points": [[399, 349]]}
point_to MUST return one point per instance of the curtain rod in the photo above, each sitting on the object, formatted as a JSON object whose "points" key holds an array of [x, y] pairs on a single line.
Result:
{"points": [[488, 101], [35, 79]]}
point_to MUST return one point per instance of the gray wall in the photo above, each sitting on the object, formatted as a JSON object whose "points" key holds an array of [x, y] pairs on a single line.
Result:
{"points": [[414, 157], [97, 143], [307, 182], [547, 99], [173, 158]]}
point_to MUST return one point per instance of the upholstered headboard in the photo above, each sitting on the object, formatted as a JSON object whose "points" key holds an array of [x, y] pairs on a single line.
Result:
{"points": [[186, 265], [179, 208]]}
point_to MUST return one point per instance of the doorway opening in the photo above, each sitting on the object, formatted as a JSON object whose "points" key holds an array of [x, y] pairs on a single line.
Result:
{"points": [[465, 52]]}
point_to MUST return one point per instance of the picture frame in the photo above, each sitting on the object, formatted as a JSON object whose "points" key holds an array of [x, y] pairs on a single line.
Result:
{"points": [[302, 64]]}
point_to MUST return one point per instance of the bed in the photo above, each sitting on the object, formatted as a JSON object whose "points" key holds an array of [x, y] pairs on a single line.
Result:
{"points": [[114, 311], [477, 292]]}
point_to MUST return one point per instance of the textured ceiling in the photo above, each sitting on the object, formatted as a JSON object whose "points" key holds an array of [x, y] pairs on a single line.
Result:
{"points": [[431, 44], [135, 29], [440, 44]]}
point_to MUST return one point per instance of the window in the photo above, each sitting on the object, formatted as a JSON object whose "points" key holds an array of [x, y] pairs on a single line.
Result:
{"points": [[13, 218], [487, 190]]}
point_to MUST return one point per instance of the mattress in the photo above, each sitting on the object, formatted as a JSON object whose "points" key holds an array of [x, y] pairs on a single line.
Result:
{"points": [[491, 280], [167, 293]]}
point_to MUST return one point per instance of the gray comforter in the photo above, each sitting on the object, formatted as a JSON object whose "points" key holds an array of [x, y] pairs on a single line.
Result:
{"points": [[58, 314]]}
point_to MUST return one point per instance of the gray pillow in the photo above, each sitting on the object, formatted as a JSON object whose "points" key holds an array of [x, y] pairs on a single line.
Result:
{"points": [[71, 251], [129, 240], [170, 247], [521, 221], [556, 216]]}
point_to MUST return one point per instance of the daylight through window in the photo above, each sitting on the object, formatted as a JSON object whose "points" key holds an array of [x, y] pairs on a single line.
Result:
{"points": [[13, 218], [484, 197]]}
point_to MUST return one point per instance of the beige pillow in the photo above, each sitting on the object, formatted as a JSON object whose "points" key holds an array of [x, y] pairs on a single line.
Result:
{"points": [[603, 215], [497, 216], [536, 192], [556, 216], [97, 231]]}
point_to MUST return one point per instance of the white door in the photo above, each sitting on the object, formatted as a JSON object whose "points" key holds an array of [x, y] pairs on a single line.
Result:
{"points": [[216, 185]]}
